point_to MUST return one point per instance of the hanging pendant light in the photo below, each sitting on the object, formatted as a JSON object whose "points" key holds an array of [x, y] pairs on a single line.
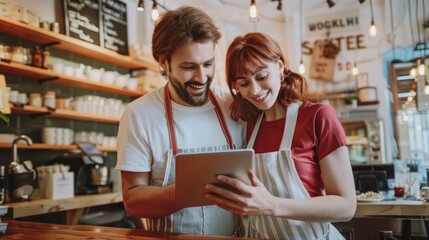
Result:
{"points": [[301, 67], [155, 13], [140, 6], [426, 89], [355, 70], [413, 72], [372, 28], [421, 68], [253, 12]]}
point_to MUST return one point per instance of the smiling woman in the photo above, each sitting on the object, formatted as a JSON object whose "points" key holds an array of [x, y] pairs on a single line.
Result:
{"points": [[295, 179]]}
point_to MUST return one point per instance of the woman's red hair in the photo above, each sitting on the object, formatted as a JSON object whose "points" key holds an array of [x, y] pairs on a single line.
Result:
{"points": [[249, 52]]}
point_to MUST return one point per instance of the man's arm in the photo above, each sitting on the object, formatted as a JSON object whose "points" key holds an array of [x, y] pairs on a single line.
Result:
{"points": [[144, 201]]}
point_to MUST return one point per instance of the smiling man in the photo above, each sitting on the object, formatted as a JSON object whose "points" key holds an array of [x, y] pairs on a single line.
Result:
{"points": [[186, 115]]}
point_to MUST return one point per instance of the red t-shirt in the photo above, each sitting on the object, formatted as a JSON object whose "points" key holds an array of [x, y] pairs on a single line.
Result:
{"points": [[318, 132]]}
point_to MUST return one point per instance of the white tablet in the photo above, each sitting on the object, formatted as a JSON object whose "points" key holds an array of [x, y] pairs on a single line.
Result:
{"points": [[194, 170]]}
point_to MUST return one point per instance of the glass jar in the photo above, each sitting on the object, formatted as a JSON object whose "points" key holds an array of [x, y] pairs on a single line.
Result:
{"points": [[18, 54], [2, 54], [27, 56], [37, 58], [49, 100]]}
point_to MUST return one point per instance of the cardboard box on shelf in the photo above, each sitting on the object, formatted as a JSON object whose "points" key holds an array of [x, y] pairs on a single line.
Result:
{"points": [[12, 10]]}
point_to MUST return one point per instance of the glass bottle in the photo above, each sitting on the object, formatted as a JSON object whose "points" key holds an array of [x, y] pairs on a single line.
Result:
{"points": [[37, 57], [46, 54], [2, 185]]}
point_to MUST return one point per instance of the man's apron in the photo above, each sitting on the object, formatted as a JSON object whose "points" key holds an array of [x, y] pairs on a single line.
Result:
{"points": [[205, 220], [277, 172]]}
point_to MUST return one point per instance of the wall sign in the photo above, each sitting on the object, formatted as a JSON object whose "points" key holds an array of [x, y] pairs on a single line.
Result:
{"points": [[100, 22], [322, 68], [82, 20], [333, 22], [114, 14]]}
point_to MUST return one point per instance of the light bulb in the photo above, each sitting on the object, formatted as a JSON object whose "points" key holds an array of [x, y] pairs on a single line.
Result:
{"points": [[427, 89], [409, 98], [301, 68], [355, 70], [372, 29], [155, 13], [140, 6], [413, 72], [421, 69], [253, 12]]}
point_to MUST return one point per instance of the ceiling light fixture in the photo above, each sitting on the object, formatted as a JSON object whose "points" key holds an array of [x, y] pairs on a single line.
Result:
{"points": [[140, 6], [253, 12], [361, 1], [355, 69], [330, 3], [301, 67], [155, 13], [280, 5], [372, 28]]}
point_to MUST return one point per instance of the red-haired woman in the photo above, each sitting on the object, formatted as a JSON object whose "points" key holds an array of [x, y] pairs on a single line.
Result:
{"points": [[302, 177]]}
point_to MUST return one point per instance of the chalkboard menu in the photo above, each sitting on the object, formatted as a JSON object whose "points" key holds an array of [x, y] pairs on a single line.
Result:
{"points": [[101, 22], [114, 14], [82, 20]]}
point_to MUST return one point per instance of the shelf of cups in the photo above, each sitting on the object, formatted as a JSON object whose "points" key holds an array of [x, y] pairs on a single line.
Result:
{"points": [[60, 41], [64, 114], [98, 86], [42, 146], [45, 75]]}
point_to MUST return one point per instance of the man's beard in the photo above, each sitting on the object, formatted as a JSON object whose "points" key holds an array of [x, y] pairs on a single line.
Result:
{"points": [[193, 100]]}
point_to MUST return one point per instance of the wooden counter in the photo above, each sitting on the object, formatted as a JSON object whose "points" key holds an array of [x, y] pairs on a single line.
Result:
{"points": [[72, 207], [397, 208], [43, 231], [403, 209]]}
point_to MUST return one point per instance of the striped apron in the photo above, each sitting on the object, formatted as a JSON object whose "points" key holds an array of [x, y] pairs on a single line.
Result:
{"points": [[277, 172], [205, 220]]}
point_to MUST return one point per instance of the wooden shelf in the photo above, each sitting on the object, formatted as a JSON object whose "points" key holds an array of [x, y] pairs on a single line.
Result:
{"points": [[98, 86], [73, 115], [64, 114], [334, 95], [45, 37], [47, 75], [42, 206], [25, 70], [42, 146]]}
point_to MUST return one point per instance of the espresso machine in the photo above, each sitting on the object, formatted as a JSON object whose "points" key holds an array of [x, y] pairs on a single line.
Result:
{"points": [[21, 176], [91, 175]]}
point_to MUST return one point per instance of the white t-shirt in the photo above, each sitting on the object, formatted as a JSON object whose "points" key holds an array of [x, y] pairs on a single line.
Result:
{"points": [[143, 140]]}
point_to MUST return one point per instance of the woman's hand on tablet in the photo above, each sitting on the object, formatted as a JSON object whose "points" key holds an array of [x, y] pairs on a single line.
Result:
{"points": [[235, 196]]}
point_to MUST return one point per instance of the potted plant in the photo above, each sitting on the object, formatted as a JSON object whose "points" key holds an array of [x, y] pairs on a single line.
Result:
{"points": [[4, 118]]}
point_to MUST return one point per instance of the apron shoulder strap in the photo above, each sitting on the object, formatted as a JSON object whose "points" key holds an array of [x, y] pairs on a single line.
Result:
{"points": [[291, 117]]}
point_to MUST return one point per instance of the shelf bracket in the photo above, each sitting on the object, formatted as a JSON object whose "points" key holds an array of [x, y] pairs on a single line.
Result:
{"points": [[39, 115], [49, 44], [40, 81]]}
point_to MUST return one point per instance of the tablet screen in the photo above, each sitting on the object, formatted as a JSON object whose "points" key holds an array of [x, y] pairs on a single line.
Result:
{"points": [[194, 170], [89, 149]]}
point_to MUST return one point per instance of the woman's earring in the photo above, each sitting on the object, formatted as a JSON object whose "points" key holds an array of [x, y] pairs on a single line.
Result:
{"points": [[235, 91], [282, 77]]}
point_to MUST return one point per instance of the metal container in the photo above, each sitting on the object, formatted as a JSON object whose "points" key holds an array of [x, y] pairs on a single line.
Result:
{"points": [[100, 175]]}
